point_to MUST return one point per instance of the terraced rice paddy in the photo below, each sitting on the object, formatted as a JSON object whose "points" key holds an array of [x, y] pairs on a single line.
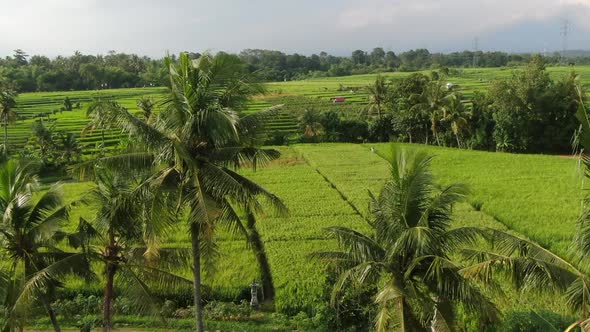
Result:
{"points": [[322, 89]]}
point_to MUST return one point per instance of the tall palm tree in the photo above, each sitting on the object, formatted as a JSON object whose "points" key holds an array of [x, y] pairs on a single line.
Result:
{"points": [[7, 113], [30, 222], [432, 101], [455, 113], [194, 141], [124, 236], [407, 255], [378, 92]]}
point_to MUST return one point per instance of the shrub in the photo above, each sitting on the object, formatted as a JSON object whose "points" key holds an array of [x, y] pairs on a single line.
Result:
{"points": [[227, 311], [353, 131], [381, 130], [532, 321], [477, 205]]}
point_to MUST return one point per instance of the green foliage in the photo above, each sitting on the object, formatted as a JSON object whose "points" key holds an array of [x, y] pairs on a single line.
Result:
{"points": [[532, 321], [407, 254], [381, 129], [533, 113], [227, 311], [68, 106]]}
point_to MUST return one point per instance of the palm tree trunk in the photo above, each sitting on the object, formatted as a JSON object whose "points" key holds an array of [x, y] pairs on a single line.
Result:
{"points": [[458, 143], [109, 290], [196, 251], [6, 139], [255, 241], [402, 315], [108, 298], [52, 316]]}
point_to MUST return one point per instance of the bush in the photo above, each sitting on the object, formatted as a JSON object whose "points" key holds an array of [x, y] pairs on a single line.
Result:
{"points": [[79, 305], [532, 321], [168, 308], [227, 311], [381, 130], [353, 131], [278, 138]]}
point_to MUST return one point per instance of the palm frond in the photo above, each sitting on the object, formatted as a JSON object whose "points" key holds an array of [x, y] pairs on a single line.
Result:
{"points": [[361, 247], [129, 162]]}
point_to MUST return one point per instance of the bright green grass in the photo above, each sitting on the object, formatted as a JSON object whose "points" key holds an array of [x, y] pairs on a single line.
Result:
{"points": [[326, 184]]}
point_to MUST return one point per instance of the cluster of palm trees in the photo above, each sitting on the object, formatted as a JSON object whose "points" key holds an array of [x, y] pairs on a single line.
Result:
{"points": [[436, 101], [180, 172]]}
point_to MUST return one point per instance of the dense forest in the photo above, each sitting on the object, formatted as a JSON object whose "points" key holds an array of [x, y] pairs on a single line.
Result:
{"points": [[120, 70]]}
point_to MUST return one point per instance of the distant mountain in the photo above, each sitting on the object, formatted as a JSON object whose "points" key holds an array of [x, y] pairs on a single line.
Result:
{"points": [[577, 53]]}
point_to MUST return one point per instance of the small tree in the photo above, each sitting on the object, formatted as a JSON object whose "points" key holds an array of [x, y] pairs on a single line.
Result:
{"points": [[43, 142], [310, 123], [124, 236], [7, 113], [407, 255], [455, 113], [30, 221], [378, 94], [68, 106], [68, 149]]}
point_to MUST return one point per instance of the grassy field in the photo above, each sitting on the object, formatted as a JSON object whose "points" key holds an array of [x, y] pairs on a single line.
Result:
{"points": [[326, 184]]}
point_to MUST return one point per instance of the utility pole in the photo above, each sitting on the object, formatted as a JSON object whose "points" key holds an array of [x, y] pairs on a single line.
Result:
{"points": [[564, 31], [475, 50]]}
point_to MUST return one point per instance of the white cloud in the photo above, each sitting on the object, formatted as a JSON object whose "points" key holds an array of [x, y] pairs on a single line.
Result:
{"points": [[153, 27], [457, 17]]}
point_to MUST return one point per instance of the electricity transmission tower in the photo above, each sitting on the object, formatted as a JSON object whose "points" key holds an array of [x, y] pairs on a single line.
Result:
{"points": [[564, 31], [475, 50]]}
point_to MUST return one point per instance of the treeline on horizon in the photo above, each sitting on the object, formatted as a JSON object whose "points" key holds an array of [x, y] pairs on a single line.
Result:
{"points": [[121, 70]]}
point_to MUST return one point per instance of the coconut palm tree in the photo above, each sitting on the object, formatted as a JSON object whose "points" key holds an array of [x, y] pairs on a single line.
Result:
{"points": [[124, 236], [454, 112], [69, 148], [146, 106], [195, 141], [432, 101], [7, 113], [407, 254], [310, 123], [30, 222], [378, 92]]}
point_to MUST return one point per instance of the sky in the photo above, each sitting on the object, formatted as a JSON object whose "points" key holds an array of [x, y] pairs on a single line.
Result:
{"points": [[154, 27]]}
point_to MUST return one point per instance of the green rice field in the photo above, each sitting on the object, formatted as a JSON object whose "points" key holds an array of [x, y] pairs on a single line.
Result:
{"points": [[537, 196], [326, 184], [31, 105]]}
